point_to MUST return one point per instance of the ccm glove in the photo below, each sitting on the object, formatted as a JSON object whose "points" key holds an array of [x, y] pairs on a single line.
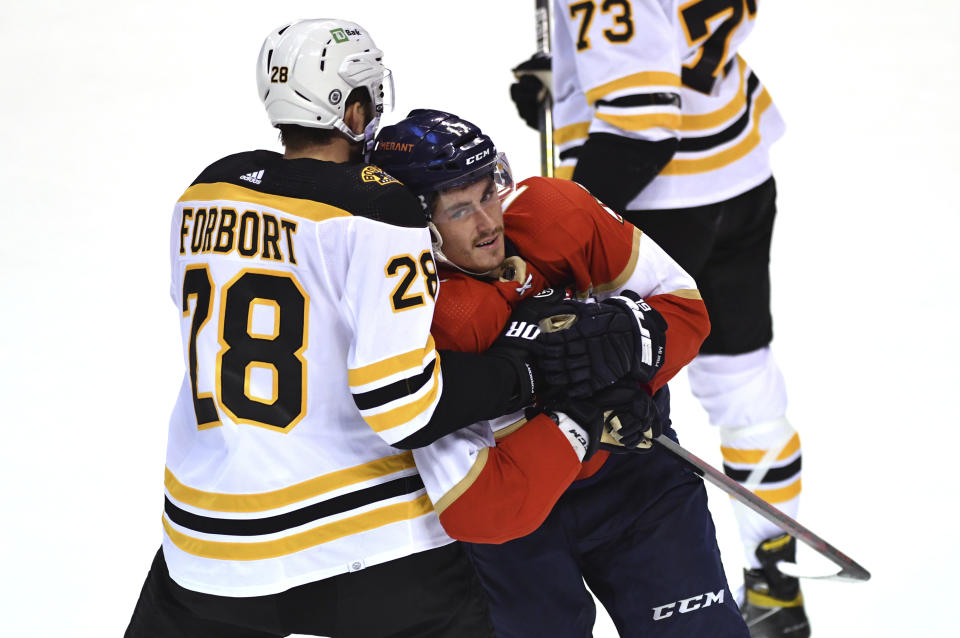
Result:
{"points": [[650, 333], [519, 345], [615, 169], [589, 346], [584, 413], [631, 418], [531, 88]]}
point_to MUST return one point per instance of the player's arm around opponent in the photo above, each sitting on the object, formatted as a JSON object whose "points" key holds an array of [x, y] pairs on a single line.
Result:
{"points": [[489, 489], [303, 288]]}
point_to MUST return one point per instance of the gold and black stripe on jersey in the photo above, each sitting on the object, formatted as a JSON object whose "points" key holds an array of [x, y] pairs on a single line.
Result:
{"points": [[373, 399], [706, 141], [735, 126], [396, 391], [358, 189], [629, 112], [271, 524], [637, 121], [780, 479]]}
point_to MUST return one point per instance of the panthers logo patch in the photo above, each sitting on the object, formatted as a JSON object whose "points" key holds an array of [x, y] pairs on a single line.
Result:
{"points": [[376, 175]]}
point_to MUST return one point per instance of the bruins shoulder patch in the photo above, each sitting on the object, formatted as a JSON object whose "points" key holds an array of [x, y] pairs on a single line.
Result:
{"points": [[376, 175]]}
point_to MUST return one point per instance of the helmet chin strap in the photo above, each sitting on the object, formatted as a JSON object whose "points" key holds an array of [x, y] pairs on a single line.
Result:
{"points": [[437, 240], [341, 126], [367, 138]]}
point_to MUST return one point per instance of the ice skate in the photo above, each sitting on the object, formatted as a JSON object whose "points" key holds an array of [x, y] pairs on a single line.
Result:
{"points": [[773, 603]]}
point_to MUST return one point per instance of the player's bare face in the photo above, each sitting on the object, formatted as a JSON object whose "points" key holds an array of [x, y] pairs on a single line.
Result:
{"points": [[470, 221]]}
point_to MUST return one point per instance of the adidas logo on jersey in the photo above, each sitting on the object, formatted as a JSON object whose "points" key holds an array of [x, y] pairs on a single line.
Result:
{"points": [[256, 177]]}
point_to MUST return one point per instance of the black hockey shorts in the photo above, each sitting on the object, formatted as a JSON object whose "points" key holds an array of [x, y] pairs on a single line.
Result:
{"points": [[726, 248], [433, 593]]}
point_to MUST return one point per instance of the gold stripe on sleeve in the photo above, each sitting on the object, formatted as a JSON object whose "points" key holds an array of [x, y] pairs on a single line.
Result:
{"points": [[387, 367], [304, 540], [643, 121], [637, 80], [686, 293], [724, 113], [564, 134], [306, 208], [463, 484], [263, 501], [624, 275], [510, 429], [407, 412], [725, 157]]}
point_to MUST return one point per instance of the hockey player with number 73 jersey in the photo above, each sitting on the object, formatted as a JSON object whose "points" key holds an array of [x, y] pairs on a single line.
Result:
{"points": [[656, 112]]}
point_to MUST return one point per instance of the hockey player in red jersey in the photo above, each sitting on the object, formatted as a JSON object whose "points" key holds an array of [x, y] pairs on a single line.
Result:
{"points": [[542, 513]]}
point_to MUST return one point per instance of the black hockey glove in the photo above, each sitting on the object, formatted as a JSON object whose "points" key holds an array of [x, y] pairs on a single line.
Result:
{"points": [[589, 346], [519, 344], [631, 418], [531, 88], [615, 169], [651, 335]]}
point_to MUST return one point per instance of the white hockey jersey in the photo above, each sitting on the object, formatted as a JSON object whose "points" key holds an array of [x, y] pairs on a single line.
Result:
{"points": [[656, 69], [307, 292]]}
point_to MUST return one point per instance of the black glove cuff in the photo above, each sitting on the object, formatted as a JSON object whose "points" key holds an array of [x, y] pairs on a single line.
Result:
{"points": [[525, 373], [615, 169], [649, 332]]}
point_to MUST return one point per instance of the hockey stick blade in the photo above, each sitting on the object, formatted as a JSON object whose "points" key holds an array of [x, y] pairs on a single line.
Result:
{"points": [[850, 571]]}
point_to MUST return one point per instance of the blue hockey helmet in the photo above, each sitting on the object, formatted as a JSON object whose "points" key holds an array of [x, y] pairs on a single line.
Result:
{"points": [[431, 151]]}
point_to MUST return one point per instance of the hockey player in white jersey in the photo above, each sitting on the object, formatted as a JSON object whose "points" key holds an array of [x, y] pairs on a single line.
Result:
{"points": [[656, 113], [306, 286]]}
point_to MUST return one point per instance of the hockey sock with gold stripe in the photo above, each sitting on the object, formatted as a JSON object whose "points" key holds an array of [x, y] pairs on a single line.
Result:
{"points": [[766, 459]]}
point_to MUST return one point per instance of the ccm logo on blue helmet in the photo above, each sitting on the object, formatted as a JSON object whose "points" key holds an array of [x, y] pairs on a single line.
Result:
{"points": [[478, 156]]}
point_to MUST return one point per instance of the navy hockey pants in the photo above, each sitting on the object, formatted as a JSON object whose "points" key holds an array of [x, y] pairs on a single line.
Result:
{"points": [[640, 534]]}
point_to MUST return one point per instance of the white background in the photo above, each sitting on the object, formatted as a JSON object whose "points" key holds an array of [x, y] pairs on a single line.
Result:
{"points": [[110, 109]]}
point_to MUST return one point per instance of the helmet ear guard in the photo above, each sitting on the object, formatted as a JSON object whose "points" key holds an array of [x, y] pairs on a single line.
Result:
{"points": [[307, 70]]}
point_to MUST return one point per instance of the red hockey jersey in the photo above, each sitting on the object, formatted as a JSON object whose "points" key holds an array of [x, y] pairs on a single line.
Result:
{"points": [[498, 480]]}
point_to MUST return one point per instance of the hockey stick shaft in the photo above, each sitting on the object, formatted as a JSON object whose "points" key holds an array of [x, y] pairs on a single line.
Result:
{"points": [[545, 114], [849, 569]]}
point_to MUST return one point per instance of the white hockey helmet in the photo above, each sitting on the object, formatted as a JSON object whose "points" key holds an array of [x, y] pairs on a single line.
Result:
{"points": [[307, 69]]}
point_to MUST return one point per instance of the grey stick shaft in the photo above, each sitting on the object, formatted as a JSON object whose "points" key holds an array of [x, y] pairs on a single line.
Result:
{"points": [[849, 569]]}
